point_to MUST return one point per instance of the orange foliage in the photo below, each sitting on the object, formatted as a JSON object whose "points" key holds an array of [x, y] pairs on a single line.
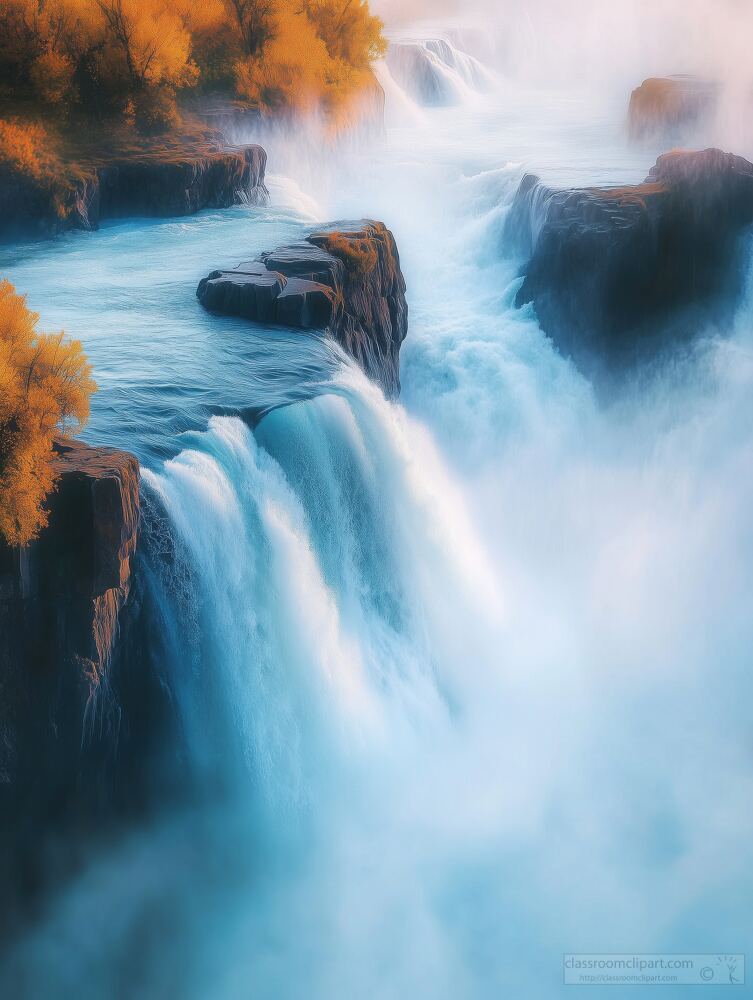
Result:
{"points": [[255, 22], [359, 255], [132, 56], [351, 34], [45, 385], [152, 41], [52, 77], [292, 72], [28, 148], [41, 40], [317, 55]]}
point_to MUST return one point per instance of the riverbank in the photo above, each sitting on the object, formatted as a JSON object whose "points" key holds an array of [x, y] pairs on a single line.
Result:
{"points": [[50, 184]]}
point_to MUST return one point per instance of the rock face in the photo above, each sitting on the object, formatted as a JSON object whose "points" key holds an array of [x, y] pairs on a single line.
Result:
{"points": [[154, 185], [61, 602], [617, 273], [670, 105], [345, 279], [182, 187]]}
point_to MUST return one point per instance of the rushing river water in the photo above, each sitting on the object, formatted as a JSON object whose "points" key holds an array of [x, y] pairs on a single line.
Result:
{"points": [[474, 667]]}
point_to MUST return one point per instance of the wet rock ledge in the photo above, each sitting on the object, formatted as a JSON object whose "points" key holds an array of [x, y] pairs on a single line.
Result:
{"points": [[345, 279], [618, 274]]}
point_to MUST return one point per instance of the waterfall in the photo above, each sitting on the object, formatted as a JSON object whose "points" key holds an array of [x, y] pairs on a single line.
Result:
{"points": [[459, 682], [315, 544], [435, 72]]}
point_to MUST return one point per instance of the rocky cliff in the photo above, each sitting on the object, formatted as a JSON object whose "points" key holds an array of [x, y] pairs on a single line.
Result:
{"points": [[62, 599], [161, 183], [345, 279], [615, 274]]}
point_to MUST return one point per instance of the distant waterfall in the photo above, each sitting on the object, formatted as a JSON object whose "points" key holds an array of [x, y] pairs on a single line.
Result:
{"points": [[433, 72]]}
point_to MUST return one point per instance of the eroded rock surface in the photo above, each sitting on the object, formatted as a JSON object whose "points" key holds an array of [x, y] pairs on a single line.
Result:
{"points": [[617, 273], [345, 279], [61, 601], [179, 183]]}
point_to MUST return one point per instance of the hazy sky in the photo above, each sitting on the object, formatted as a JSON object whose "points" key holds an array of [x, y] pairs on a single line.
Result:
{"points": [[571, 40]]}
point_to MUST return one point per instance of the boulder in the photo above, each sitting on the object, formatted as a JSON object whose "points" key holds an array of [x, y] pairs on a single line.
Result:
{"points": [[616, 274], [671, 105], [345, 279]]}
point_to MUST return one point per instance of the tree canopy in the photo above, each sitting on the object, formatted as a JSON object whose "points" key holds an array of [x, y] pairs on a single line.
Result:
{"points": [[133, 56], [45, 385]]}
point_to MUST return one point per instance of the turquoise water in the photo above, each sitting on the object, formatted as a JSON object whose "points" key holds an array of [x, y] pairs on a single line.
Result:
{"points": [[474, 667]]}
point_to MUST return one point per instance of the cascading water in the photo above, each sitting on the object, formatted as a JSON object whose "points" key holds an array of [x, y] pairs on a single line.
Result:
{"points": [[323, 532], [434, 72], [461, 680]]}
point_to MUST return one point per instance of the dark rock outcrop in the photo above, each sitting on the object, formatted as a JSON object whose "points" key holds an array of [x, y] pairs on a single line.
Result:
{"points": [[184, 186], [345, 279], [61, 602], [615, 274], [124, 186], [670, 105]]}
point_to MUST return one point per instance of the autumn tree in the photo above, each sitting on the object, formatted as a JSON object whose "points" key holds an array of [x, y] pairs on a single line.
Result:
{"points": [[348, 29], [152, 40], [132, 56], [292, 72], [22, 40], [314, 53], [41, 42], [45, 385], [255, 21]]}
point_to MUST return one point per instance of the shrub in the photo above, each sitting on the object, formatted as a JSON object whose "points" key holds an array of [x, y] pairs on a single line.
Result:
{"points": [[45, 385], [359, 255], [27, 148], [52, 78]]}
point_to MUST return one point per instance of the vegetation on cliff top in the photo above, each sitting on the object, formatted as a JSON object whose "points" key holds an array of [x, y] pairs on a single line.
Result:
{"points": [[359, 254], [132, 58], [45, 385]]}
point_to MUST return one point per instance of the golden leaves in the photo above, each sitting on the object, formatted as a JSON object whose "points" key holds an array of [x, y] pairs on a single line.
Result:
{"points": [[45, 386]]}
